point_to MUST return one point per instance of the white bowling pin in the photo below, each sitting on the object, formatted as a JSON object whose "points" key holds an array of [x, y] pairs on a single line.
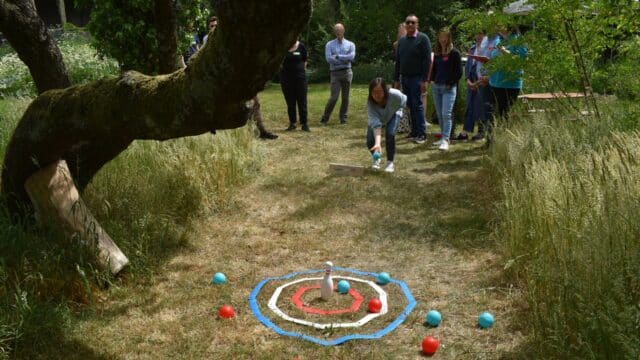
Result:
{"points": [[326, 286]]}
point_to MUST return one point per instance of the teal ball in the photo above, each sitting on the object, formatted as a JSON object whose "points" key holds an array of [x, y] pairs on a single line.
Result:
{"points": [[219, 278], [434, 318], [485, 320], [376, 155], [383, 278], [343, 286]]}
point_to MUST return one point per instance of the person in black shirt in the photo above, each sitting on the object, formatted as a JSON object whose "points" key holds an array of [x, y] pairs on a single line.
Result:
{"points": [[293, 80], [447, 71]]}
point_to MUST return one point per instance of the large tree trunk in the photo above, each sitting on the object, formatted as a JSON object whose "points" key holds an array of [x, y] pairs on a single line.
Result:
{"points": [[27, 34], [62, 12], [166, 22], [102, 118]]}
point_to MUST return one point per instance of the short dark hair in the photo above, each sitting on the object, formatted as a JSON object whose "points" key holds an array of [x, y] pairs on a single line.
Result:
{"points": [[212, 19], [375, 83]]}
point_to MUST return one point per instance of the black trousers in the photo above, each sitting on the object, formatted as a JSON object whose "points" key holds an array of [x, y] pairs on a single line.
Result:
{"points": [[498, 104], [294, 89]]}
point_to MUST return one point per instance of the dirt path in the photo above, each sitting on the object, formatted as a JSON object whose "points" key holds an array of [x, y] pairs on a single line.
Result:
{"points": [[426, 224]]}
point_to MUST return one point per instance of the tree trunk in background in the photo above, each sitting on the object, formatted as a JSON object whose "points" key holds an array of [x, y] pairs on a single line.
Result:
{"points": [[103, 117], [28, 36], [62, 12], [166, 23]]}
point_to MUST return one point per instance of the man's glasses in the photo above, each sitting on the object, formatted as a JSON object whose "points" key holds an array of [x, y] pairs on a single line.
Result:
{"points": [[409, 22]]}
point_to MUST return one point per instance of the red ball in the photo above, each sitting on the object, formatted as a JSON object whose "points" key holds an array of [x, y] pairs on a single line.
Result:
{"points": [[429, 345], [438, 135], [375, 305], [226, 312]]}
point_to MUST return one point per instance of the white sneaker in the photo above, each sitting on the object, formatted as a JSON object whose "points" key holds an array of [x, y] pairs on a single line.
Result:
{"points": [[438, 143], [376, 165], [389, 168], [444, 146]]}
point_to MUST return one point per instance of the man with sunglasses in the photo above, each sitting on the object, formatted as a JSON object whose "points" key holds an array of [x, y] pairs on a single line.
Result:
{"points": [[413, 63]]}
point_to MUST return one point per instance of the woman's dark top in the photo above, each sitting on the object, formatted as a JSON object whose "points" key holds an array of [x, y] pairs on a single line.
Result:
{"points": [[447, 69], [293, 64]]}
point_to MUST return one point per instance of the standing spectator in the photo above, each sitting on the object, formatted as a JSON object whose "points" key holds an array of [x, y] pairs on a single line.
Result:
{"points": [[447, 71], [504, 85], [211, 24], [474, 110], [339, 53], [405, 121], [413, 62], [384, 107], [293, 80]]}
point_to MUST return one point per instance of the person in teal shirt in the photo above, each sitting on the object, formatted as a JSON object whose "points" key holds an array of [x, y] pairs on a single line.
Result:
{"points": [[504, 85]]}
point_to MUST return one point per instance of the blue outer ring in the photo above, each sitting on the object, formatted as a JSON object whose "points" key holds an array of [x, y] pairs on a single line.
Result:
{"points": [[256, 311]]}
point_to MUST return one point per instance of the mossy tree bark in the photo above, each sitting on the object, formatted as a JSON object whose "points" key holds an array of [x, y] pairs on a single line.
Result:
{"points": [[100, 119], [28, 35]]}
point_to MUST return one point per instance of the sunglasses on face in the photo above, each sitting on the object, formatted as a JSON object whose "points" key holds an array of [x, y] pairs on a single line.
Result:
{"points": [[409, 22]]}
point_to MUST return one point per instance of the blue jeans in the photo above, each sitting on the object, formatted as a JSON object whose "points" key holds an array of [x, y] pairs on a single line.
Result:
{"points": [[473, 111], [411, 88], [444, 96], [389, 137]]}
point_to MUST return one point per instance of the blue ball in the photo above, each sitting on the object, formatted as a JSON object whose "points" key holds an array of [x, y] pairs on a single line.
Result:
{"points": [[376, 155], [383, 278], [434, 318], [343, 286], [485, 320], [219, 278]]}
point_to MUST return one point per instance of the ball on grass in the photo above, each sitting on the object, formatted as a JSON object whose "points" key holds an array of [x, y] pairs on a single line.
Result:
{"points": [[434, 318], [343, 286], [383, 278], [375, 305], [219, 278], [226, 312], [429, 345], [485, 320]]}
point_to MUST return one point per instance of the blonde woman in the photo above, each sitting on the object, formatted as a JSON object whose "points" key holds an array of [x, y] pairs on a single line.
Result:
{"points": [[447, 71]]}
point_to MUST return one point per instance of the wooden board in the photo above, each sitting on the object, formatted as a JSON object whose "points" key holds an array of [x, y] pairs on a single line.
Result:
{"points": [[549, 96], [349, 170]]}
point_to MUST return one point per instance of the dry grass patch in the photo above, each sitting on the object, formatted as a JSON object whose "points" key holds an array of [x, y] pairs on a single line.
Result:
{"points": [[426, 224]]}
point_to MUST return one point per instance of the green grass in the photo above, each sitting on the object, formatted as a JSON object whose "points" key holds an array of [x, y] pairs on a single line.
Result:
{"points": [[568, 225]]}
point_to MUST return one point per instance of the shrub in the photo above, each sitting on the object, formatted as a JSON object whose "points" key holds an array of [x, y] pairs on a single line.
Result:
{"points": [[82, 61]]}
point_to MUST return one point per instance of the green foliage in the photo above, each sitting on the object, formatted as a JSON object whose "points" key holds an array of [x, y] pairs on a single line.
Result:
{"points": [[606, 42], [569, 190], [126, 31], [82, 61]]}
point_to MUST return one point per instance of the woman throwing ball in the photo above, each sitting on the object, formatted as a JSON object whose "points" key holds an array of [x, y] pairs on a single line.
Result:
{"points": [[384, 107]]}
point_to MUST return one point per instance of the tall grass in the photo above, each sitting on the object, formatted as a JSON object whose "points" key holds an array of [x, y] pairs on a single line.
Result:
{"points": [[150, 199], [570, 229]]}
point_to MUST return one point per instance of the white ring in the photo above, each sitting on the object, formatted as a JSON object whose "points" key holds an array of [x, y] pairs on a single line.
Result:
{"points": [[382, 295]]}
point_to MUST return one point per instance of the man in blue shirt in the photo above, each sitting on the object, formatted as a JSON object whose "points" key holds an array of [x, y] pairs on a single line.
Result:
{"points": [[339, 53]]}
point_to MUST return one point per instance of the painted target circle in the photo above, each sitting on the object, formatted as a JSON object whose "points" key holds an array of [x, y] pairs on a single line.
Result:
{"points": [[381, 293], [296, 299], [253, 303]]}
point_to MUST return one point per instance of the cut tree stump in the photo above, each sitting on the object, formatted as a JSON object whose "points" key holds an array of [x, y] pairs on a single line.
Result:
{"points": [[350, 170], [56, 201]]}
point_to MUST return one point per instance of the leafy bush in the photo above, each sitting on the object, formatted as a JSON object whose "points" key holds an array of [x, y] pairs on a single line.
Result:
{"points": [[82, 61]]}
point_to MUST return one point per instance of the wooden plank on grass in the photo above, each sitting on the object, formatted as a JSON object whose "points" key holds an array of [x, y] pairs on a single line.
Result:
{"points": [[349, 170]]}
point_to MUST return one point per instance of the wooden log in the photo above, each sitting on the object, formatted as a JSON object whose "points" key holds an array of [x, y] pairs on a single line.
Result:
{"points": [[57, 202], [350, 170]]}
